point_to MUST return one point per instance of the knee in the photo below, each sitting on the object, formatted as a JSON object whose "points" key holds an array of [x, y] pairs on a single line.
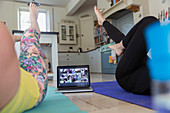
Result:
{"points": [[149, 19]]}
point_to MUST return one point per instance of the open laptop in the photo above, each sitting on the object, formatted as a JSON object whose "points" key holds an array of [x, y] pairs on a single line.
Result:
{"points": [[73, 79]]}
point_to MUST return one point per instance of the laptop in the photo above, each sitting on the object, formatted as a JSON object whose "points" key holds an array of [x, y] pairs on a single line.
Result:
{"points": [[73, 79]]}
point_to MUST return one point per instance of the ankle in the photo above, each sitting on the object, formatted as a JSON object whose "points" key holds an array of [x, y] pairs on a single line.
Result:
{"points": [[121, 45], [103, 19], [33, 21]]}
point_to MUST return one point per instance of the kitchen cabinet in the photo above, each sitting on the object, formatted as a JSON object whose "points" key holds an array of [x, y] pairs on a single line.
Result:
{"points": [[66, 59], [91, 58], [94, 60], [67, 33], [106, 66]]}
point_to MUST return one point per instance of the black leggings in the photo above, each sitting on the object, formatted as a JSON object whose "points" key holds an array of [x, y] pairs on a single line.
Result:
{"points": [[132, 73]]}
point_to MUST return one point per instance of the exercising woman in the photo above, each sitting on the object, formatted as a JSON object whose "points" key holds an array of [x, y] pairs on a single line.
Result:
{"points": [[131, 73], [23, 83]]}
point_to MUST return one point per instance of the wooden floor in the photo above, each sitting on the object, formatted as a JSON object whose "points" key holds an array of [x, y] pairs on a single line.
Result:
{"points": [[96, 103]]}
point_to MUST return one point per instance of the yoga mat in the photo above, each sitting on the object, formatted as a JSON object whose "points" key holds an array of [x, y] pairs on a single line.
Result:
{"points": [[55, 103], [112, 89]]}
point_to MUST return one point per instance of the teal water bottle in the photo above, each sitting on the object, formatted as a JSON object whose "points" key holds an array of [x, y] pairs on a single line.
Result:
{"points": [[158, 40]]}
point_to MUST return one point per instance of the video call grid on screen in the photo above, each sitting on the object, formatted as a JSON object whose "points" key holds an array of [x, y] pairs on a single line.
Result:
{"points": [[74, 76]]}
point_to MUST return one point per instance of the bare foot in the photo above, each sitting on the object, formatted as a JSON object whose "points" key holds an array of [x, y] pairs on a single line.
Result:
{"points": [[119, 48], [34, 16], [16, 38], [99, 15]]}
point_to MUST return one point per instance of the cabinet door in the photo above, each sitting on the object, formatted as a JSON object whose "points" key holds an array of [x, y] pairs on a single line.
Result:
{"points": [[106, 66], [67, 33], [90, 61], [71, 36], [79, 59], [65, 59], [63, 33], [94, 58], [71, 33], [97, 61], [82, 58]]}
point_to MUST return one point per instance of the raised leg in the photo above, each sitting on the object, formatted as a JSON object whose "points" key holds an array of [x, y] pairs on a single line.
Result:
{"points": [[31, 56], [132, 65], [120, 47], [99, 15], [142, 23], [111, 30]]}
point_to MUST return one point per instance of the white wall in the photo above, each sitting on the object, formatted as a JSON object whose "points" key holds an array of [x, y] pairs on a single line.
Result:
{"points": [[144, 10], [59, 14], [8, 12], [156, 6], [145, 6], [85, 11], [151, 8]]}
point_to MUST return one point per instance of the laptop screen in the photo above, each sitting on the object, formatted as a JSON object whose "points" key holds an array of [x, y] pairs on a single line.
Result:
{"points": [[73, 76]]}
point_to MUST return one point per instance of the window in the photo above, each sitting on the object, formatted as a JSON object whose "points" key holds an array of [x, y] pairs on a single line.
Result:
{"points": [[24, 19]]}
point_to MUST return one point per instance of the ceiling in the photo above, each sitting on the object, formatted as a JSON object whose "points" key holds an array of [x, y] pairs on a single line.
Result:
{"points": [[87, 4], [58, 3]]}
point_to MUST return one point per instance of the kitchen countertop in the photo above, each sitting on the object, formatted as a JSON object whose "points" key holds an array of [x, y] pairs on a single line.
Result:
{"points": [[76, 51]]}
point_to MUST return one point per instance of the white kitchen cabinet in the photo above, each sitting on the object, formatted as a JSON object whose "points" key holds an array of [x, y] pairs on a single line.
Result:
{"points": [[67, 33], [64, 59], [80, 59], [91, 58], [94, 60], [72, 59]]}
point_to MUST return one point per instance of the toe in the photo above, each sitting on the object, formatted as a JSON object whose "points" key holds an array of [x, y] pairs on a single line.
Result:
{"points": [[94, 7], [30, 4], [34, 5]]}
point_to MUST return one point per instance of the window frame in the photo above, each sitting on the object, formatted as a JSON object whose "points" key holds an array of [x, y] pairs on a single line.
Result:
{"points": [[40, 11]]}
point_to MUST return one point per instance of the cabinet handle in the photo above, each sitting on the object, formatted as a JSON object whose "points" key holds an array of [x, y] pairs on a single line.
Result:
{"points": [[67, 54], [67, 58], [82, 35]]}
